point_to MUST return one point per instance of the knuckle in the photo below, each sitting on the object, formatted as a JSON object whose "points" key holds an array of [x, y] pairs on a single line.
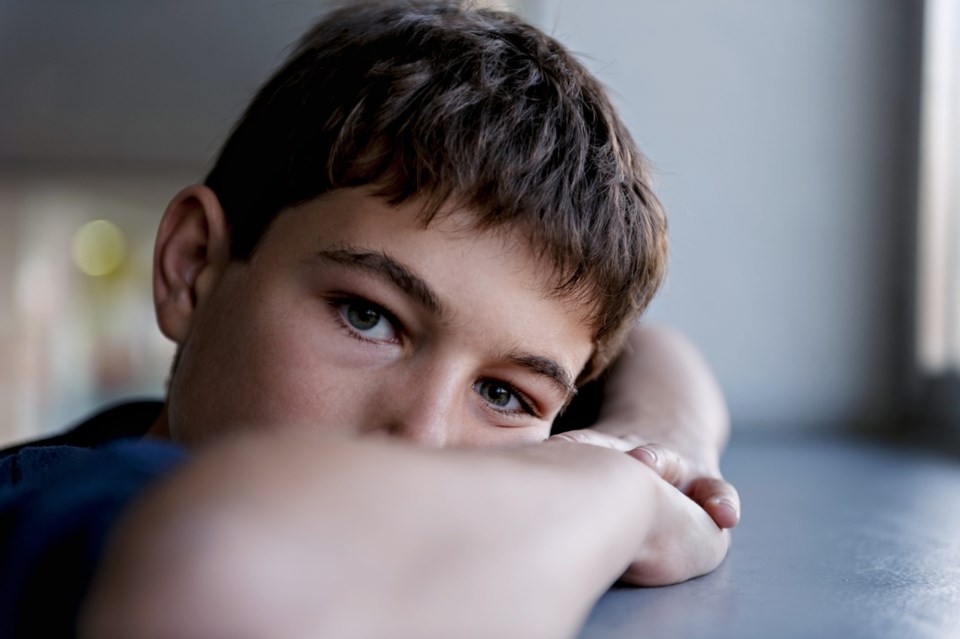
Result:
{"points": [[574, 436]]}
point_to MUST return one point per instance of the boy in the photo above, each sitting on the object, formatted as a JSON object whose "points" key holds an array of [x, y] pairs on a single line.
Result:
{"points": [[430, 226]]}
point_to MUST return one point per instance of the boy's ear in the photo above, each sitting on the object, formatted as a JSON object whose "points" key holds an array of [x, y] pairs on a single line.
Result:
{"points": [[192, 249]]}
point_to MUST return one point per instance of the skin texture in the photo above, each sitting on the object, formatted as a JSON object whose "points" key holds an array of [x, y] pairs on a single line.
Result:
{"points": [[301, 402]]}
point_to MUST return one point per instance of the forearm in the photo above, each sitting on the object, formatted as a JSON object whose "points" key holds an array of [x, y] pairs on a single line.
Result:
{"points": [[402, 541], [661, 390]]}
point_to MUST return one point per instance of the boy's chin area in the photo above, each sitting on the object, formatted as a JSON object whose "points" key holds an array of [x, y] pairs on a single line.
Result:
{"points": [[352, 318]]}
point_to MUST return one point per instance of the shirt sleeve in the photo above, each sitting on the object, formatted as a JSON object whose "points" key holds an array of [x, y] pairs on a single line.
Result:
{"points": [[57, 508]]}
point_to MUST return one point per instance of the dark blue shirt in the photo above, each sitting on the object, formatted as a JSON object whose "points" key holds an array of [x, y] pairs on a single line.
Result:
{"points": [[59, 499]]}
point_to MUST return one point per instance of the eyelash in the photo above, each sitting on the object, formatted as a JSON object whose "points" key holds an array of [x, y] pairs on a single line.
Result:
{"points": [[527, 405], [336, 303]]}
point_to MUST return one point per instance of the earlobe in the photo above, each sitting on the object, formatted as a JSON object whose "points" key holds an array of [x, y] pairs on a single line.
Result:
{"points": [[192, 249]]}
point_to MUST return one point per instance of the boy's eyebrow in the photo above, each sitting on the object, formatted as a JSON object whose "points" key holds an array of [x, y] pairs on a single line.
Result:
{"points": [[404, 278], [385, 266], [549, 368]]}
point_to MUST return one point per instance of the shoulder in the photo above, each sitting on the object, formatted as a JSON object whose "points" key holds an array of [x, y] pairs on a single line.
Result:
{"points": [[114, 423], [58, 505]]}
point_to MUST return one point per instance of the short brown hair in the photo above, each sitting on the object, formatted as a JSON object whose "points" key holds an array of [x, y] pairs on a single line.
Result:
{"points": [[465, 105]]}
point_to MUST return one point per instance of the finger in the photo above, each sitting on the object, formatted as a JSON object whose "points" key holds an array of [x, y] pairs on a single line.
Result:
{"points": [[668, 464], [593, 438], [719, 498]]}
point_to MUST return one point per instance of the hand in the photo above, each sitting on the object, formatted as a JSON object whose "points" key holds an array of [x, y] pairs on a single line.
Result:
{"points": [[685, 543], [696, 476], [700, 481]]}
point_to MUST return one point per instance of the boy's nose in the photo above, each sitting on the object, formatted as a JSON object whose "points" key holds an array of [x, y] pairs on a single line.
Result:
{"points": [[423, 430], [425, 412]]}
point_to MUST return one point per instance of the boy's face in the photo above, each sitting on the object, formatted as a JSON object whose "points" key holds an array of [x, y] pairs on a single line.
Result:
{"points": [[351, 318]]}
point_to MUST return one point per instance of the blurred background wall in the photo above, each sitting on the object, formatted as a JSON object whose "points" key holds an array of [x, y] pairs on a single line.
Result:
{"points": [[782, 133]]}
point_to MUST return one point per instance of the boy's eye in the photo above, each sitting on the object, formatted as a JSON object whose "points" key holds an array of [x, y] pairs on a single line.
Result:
{"points": [[367, 320], [500, 396]]}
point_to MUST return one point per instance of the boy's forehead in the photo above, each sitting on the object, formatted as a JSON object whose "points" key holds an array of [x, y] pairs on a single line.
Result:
{"points": [[455, 220]]}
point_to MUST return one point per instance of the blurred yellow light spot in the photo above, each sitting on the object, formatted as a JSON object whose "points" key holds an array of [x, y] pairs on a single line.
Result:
{"points": [[99, 248]]}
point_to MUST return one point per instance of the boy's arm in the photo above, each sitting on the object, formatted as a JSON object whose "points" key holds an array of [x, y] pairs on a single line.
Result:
{"points": [[662, 397], [267, 537]]}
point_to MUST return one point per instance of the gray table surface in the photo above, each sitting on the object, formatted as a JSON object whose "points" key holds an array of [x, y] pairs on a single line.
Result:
{"points": [[839, 538]]}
